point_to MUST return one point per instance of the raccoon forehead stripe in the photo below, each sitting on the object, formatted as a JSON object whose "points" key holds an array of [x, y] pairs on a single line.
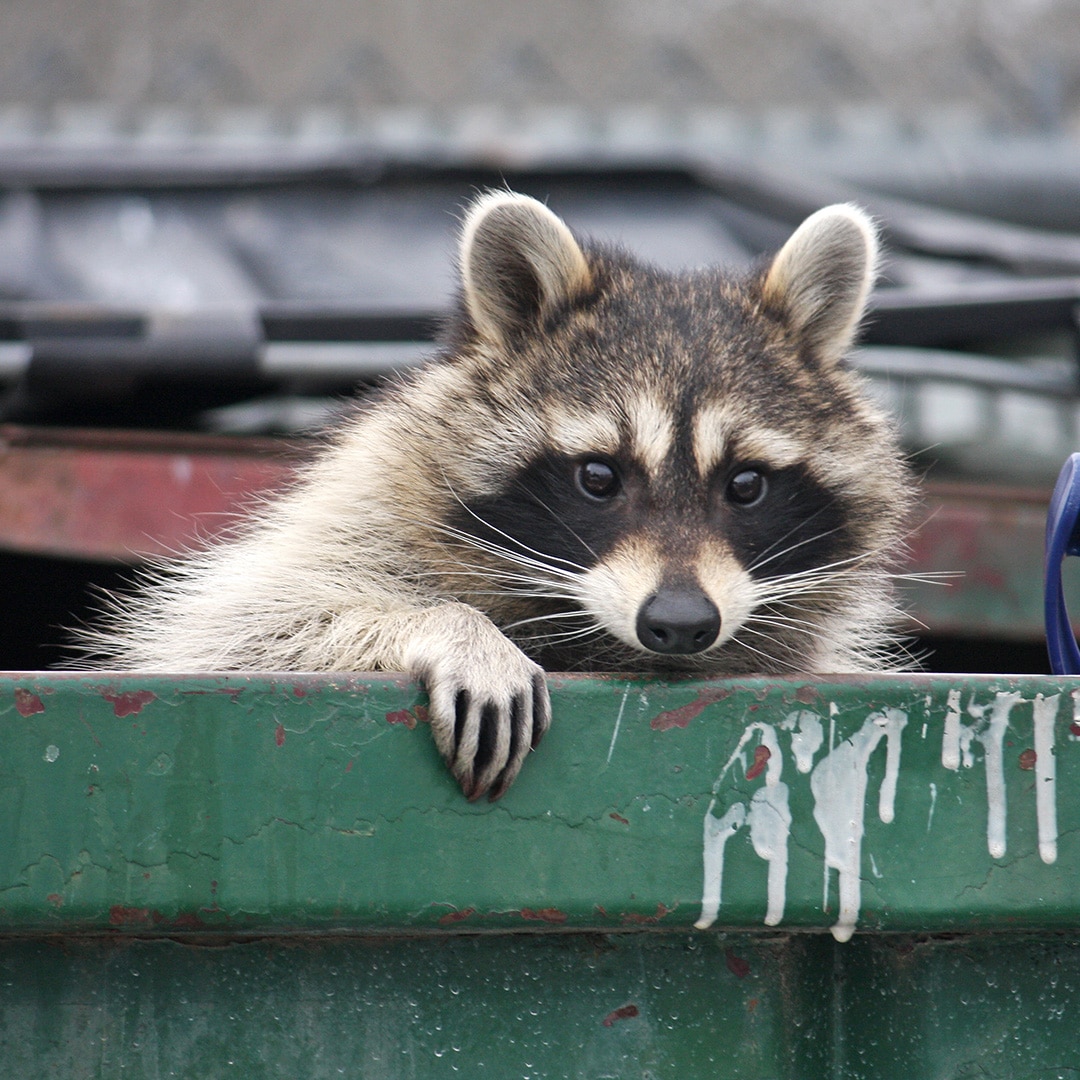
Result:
{"points": [[721, 430], [652, 431], [714, 427], [575, 433]]}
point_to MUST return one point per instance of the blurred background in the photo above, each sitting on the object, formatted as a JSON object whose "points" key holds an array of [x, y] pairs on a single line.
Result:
{"points": [[219, 218]]}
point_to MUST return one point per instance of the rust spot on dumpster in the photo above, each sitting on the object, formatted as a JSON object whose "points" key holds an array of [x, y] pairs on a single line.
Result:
{"points": [[279, 735], [806, 695], [625, 1012], [1027, 760], [27, 702], [452, 917], [55, 899], [130, 703], [129, 916], [186, 920], [401, 716], [736, 964], [682, 716], [619, 818], [548, 915], [761, 759], [634, 918]]}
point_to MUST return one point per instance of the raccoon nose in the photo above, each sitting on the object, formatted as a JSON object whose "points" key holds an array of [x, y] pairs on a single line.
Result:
{"points": [[678, 619]]}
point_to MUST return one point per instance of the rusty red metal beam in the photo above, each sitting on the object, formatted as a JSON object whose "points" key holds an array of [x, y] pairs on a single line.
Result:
{"points": [[120, 496], [123, 496]]}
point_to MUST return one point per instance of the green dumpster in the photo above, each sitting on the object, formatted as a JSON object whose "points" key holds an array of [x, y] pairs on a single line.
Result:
{"points": [[274, 876]]}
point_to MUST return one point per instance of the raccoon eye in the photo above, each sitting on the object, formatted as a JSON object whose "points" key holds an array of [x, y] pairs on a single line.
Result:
{"points": [[747, 487], [598, 479]]}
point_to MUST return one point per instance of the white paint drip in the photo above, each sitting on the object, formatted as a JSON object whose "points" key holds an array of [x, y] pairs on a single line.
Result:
{"points": [[618, 722], [807, 736], [838, 784], [956, 741], [950, 737], [992, 739], [1044, 712], [770, 825], [887, 794], [718, 831], [769, 818]]}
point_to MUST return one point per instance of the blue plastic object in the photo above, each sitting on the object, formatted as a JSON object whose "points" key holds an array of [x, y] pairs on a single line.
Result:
{"points": [[1062, 538]]}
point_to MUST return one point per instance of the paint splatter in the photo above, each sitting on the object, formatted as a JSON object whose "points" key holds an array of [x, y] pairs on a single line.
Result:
{"points": [[28, 703], [626, 1012], [761, 758], [681, 717], [130, 703], [736, 964]]}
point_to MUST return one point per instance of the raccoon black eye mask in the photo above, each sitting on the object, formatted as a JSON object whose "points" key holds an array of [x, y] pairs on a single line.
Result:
{"points": [[604, 467]]}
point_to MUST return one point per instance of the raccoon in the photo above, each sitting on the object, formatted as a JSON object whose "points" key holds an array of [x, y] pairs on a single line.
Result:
{"points": [[605, 467]]}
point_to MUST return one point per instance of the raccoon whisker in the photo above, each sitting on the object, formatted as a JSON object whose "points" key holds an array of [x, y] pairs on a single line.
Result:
{"points": [[558, 520], [467, 540], [827, 573], [760, 562], [799, 627], [562, 636], [527, 583], [930, 577], [772, 662], [554, 616], [779, 619], [505, 535], [527, 569]]}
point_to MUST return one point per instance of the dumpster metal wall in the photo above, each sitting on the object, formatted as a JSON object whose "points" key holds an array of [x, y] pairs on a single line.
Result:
{"points": [[275, 874]]}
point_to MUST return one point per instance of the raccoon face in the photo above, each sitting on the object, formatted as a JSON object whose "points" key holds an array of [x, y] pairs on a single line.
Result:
{"points": [[670, 563], [705, 487]]}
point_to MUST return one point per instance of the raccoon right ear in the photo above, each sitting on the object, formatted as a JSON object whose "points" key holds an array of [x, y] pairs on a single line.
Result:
{"points": [[821, 278], [517, 260]]}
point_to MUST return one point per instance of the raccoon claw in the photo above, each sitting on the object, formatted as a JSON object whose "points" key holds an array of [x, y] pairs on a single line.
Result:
{"points": [[484, 730]]}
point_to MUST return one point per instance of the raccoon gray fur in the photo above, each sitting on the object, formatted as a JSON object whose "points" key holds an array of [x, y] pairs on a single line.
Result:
{"points": [[606, 467]]}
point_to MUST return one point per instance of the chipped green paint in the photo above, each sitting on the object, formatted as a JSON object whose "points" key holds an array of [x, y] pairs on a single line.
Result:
{"points": [[305, 830], [298, 804]]}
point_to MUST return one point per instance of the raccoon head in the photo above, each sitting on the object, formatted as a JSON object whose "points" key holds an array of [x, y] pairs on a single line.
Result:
{"points": [[675, 472]]}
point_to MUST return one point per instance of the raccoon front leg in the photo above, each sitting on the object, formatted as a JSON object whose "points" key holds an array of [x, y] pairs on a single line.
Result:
{"points": [[488, 702]]}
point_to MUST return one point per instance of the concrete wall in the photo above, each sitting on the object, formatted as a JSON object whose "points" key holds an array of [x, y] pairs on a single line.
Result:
{"points": [[1012, 63]]}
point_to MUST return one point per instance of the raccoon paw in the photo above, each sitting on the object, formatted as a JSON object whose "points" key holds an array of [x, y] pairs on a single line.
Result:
{"points": [[489, 706]]}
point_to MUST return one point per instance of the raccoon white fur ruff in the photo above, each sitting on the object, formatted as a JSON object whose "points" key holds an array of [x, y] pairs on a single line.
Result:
{"points": [[606, 467]]}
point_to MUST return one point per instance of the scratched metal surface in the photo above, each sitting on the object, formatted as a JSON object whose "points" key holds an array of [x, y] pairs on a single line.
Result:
{"points": [[287, 804]]}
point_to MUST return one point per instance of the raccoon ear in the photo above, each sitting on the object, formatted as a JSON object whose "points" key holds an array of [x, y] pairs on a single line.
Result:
{"points": [[517, 260], [821, 278]]}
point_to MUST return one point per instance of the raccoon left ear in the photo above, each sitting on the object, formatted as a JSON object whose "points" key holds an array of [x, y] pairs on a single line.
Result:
{"points": [[517, 260], [821, 278]]}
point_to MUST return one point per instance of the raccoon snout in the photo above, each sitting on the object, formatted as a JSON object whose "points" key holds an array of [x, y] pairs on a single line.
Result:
{"points": [[678, 619]]}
